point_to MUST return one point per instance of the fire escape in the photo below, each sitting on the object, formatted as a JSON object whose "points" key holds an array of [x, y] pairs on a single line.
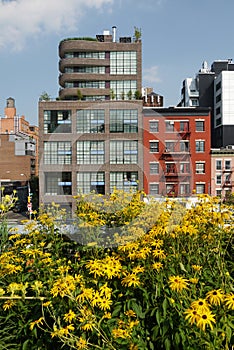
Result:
{"points": [[176, 164]]}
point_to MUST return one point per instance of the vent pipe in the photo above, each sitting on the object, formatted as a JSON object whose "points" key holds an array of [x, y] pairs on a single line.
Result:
{"points": [[114, 34]]}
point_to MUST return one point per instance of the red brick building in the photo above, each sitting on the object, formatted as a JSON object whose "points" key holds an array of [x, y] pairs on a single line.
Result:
{"points": [[176, 151]]}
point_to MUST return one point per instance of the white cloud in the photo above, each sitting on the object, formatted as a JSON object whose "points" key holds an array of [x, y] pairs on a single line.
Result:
{"points": [[24, 19], [150, 75]]}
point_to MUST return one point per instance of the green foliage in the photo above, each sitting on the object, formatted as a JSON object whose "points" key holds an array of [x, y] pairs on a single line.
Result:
{"points": [[139, 293]]}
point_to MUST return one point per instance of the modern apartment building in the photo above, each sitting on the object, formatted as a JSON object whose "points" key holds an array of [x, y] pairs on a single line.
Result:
{"points": [[91, 135], [176, 151], [214, 87]]}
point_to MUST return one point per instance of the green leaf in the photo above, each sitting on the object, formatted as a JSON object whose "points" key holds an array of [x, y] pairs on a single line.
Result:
{"points": [[167, 344], [117, 310], [25, 345], [182, 267], [164, 305]]}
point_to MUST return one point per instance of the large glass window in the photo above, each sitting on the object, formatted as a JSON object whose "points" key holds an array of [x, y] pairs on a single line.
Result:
{"points": [[56, 121], [90, 121], [99, 55], [126, 181], [85, 84], [58, 183], [218, 164], [200, 146], [227, 165], [91, 181], [90, 152], [123, 152], [57, 152], [86, 70], [123, 62], [170, 146], [218, 179], [123, 120], [123, 89]]}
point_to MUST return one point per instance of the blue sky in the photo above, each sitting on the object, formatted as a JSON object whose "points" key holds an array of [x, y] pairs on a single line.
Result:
{"points": [[177, 36]]}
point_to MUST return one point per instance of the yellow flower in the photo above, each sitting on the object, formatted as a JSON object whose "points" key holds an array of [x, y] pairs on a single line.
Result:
{"points": [[193, 280], [35, 323], [81, 344], [88, 326], [46, 304], [229, 301], [159, 253], [197, 267], [157, 266], [131, 280], [2, 292], [8, 304], [130, 313], [121, 333], [205, 318], [200, 305], [191, 315], [69, 317], [178, 283], [105, 304], [215, 297]]}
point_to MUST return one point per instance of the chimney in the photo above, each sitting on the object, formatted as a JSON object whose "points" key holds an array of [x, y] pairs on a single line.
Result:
{"points": [[114, 34]]}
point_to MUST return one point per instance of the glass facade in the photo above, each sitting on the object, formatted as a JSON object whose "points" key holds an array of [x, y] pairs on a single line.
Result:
{"points": [[57, 152], [90, 152], [124, 120], [90, 121], [97, 55], [86, 70], [91, 181], [123, 89], [123, 152], [126, 181], [57, 121], [58, 183], [123, 62]]}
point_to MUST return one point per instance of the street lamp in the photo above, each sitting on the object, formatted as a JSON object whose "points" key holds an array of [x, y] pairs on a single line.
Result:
{"points": [[29, 196]]}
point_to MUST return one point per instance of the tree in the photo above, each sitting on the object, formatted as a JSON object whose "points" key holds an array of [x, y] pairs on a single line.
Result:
{"points": [[137, 33], [79, 95], [45, 96]]}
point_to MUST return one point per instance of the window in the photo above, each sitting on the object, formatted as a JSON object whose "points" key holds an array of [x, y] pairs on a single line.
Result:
{"points": [[227, 179], [218, 86], [218, 110], [154, 146], [58, 183], [184, 146], [153, 124], [89, 70], [91, 181], [200, 125], [153, 189], [218, 164], [154, 168], [57, 152], [124, 120], [200, 146], [82, 54], [123, 89], [184, 168], [85, 84], [200, 188], [227, 165], [195, 102], [169, 125], [219, 179], [185, 189], [170, 146], [123, 62], [126, 181], [200, 168], [170, 168], [218, 193], [170, 189], [218, 98], [90, 121], [123, 152], [184, 126], [57, 121], [90, 152]]}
